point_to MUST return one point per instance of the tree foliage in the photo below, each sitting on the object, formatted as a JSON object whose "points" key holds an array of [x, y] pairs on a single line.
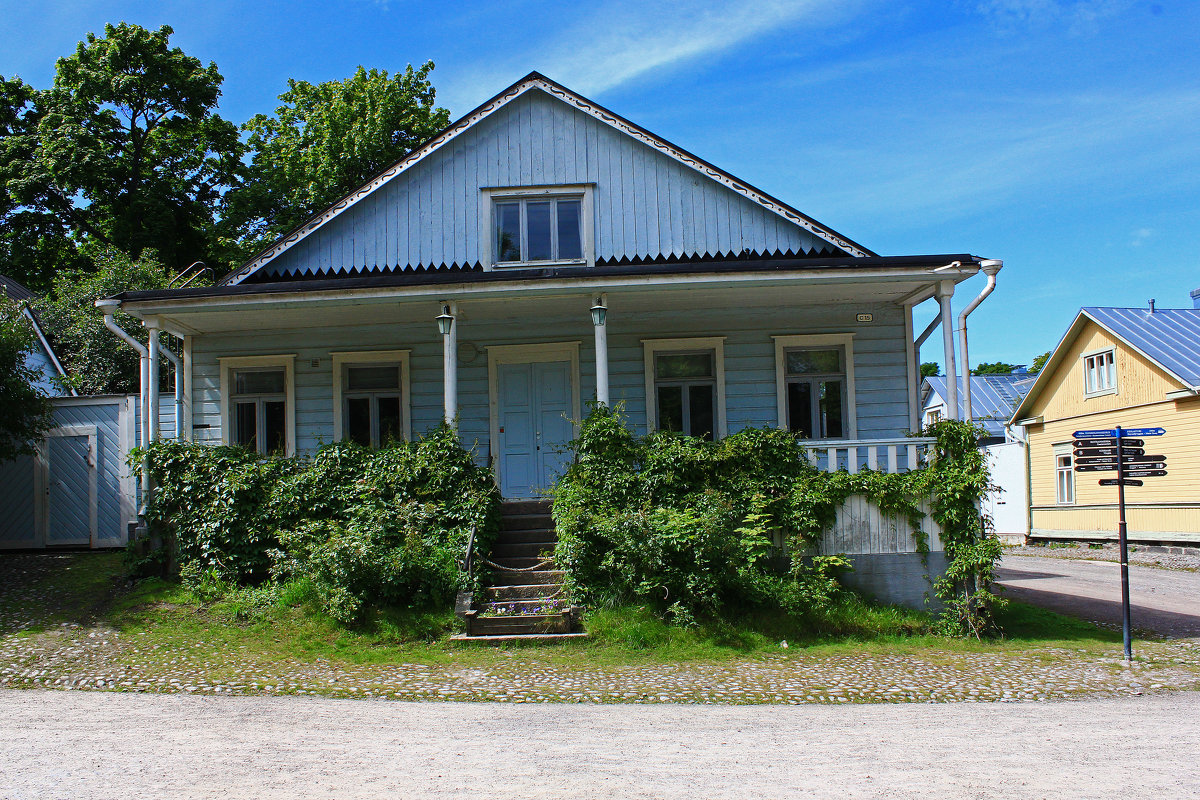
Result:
{"points": [[324, 140], [1039, 362], [24, 410], [125, 150], [97, 362], [930, 369], [993, 368]]}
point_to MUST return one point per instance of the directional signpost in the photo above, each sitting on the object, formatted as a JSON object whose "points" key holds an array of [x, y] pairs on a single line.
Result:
{"points": [[1117, 450]]}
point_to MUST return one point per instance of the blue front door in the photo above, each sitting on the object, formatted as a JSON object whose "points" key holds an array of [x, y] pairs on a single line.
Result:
{"points": [[535, 426]]}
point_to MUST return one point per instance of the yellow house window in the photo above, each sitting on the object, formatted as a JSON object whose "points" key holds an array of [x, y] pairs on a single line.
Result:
{"points": [[1064, 474], [1100, 373]]}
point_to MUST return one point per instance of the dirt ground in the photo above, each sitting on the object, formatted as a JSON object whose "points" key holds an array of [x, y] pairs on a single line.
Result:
{"points": [[118, 745]]}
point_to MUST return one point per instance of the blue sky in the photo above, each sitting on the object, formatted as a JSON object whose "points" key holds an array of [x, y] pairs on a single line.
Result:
{"points": [[1062, 136]]}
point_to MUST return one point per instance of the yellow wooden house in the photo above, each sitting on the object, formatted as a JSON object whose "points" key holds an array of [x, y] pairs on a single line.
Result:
{"points": [[1133, 367]]}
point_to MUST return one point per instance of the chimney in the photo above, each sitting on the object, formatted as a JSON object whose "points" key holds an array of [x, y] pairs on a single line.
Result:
{"points": [[1196, 298], [1151, 305]]}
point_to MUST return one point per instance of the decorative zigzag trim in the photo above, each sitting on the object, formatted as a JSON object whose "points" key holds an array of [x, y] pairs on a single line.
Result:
{"points": [[489, 108]]}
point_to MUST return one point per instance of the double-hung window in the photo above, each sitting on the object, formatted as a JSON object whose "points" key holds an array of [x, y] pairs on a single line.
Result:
{"points": [[1100, 373], [538, 225], [685, 386], [814, 377], [259, 409], [1064, 475], [371, 396]]}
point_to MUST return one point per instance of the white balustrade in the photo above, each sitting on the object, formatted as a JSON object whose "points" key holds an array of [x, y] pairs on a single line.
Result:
{"points": [[855, 454]]}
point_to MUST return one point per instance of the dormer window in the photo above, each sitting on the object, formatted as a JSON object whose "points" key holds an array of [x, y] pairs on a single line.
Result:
{"points": [[539, 226]]}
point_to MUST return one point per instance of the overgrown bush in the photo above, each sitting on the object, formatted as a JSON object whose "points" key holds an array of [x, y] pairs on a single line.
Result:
{"points": [[367, 528], [695, 528]]}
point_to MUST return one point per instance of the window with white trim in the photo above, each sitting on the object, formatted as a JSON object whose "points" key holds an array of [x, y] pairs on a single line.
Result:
{"points": [[1100, 373], [685, 385], [371, 397], [1064, 475], [816, 391], [258, 408], [538, 225]]}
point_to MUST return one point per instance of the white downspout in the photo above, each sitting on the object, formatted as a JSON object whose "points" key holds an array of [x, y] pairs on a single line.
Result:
{"points": [[152, 387], [945, 293], [108, 308], [990, 267]]}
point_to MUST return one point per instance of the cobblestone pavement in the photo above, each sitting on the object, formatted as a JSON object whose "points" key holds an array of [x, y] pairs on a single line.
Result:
{"points": [[1139, 554], [86, 655]]}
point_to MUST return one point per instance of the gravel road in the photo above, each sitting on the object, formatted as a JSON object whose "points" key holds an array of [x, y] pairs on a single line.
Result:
{"points": [[113, 745], [1162, 601]]}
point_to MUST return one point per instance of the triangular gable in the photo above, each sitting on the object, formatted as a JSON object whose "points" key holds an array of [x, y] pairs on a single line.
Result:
{"points": [[450, 137]]}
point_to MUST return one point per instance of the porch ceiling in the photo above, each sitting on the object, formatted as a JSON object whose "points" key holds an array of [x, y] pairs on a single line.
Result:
{"points": [[219, 315]]}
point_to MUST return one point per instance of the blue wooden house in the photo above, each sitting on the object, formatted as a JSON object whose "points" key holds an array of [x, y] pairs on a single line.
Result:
{"points": [[540, 253]]}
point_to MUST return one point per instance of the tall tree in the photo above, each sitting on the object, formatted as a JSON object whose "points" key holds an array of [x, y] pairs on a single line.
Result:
{"points": [[126, 148], [24, 411], [930, 369], [1039, 362], [324, 140]]}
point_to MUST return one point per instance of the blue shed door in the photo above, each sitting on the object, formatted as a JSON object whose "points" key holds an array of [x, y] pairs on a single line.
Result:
{"points": [[535, 406], [69, 468]]}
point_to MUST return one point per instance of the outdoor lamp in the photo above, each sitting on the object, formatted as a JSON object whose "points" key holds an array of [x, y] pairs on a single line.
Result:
{"points": [[445, 320], [599, 311]]}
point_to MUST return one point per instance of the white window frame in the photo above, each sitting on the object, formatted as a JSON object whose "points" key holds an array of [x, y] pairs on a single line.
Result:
{"points": [[1102, 388], [817, 341], [1064, 450], [487, 231], [231, 364], [716, 344], [342, 359]]}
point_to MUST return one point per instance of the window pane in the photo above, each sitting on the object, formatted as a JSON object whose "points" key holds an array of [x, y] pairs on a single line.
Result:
{"points": [[508, 232], [245, 424], [358, 420], [690, 365], [700, 408], [274, 428], [389, 420], [569, 243], [670, 408], [258, 381], [800, 409], [362, 379], [831, 410], [537, 237], [801, 362]]}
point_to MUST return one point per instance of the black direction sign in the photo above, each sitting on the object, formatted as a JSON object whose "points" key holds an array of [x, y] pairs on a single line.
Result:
{"points": [[1113, 459], [1145, 473], [1097, 442], [1119, 482], [1096, 467], [1108, 451]]}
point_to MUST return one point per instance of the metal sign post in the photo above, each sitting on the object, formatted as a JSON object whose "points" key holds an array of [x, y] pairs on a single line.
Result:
{"points": [[1116, 450]]}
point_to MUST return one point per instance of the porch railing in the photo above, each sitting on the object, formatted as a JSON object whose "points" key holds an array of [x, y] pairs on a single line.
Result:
{"points": [[886, 455]]}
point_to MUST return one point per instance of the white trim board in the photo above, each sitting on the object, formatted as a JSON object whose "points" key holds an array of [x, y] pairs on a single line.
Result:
{"points": [[714, 343], [344, 358], [525, 354], [532, 82], [844, 340], [288, 362]]}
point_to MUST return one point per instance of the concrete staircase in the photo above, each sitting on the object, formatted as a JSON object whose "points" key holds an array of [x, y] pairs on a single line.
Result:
{"points": [[525, 600]]}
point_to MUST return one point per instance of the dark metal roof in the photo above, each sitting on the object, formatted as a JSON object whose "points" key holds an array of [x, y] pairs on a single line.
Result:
{"points": [[474, 274], [1168, 336], [15, 291], [993, 397]]}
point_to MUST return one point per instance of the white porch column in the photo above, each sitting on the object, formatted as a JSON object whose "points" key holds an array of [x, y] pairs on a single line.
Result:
{"points": [[945, 293], [599, 313], [152, 388], [448, 325]]}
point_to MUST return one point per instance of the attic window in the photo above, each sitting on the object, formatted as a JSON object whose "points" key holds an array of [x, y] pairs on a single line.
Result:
{"points": [[1100, 373], [550, 225]]}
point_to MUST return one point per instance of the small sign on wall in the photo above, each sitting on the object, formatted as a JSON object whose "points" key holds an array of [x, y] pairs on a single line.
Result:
{"points": [[867, 317]]}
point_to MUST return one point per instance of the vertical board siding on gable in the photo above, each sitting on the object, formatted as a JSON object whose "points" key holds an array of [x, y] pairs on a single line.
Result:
{"points": [[646, 204], [749, 365]]}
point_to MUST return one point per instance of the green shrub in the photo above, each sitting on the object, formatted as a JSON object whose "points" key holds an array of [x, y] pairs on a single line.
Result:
{"points": [[364, 528]]}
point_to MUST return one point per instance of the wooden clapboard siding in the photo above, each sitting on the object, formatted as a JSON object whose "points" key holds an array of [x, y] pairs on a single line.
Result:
{"points": [[645, 203], [861, 528], [749, 363]]}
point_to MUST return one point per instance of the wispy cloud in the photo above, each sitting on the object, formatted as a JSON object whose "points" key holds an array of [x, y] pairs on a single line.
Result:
{"points": [[1141, 236], [1078, 16], [623, 40]]}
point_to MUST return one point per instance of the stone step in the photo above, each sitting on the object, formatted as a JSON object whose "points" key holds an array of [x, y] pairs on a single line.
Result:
{"points": [[525, 507], [502, 577], [526, 522], [540, 638], [546, 535], [520, 550], [518, 624], [522, 591]]}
